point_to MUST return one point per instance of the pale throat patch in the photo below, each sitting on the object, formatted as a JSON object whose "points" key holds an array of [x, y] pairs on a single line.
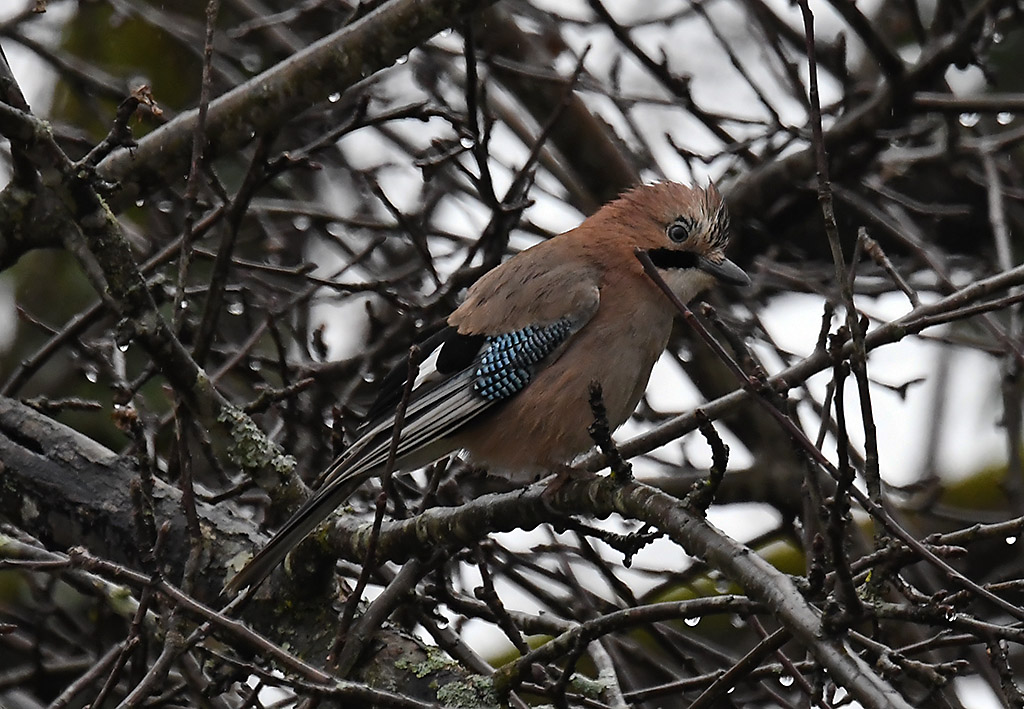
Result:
{"points": [[687, 283]]}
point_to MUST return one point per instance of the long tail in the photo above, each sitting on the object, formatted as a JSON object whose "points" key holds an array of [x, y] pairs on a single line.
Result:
{"points": [[316, 509], [434, 414]]}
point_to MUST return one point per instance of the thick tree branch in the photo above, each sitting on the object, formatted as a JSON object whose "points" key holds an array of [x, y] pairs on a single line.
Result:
{"points": [[334, 64], [601, 497]]}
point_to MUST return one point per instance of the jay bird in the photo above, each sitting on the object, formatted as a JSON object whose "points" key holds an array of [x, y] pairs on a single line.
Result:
{"points": [[508, 379]]}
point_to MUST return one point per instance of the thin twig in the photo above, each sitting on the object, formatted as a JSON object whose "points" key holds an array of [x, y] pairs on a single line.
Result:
{"points": [[869, 505], [343, 649]]}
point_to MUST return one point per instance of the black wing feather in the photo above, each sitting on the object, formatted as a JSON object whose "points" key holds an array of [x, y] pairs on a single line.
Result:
{"points": [[457, 351]]}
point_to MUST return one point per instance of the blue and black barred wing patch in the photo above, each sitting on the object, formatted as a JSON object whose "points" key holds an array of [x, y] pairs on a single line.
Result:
{"points": [[508, 360]]}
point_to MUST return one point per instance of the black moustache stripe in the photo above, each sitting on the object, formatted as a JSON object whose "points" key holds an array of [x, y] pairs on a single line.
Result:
{"points": [[670, 258]]}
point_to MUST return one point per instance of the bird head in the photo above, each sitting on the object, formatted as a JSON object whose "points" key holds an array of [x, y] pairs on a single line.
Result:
{"points": [[683, 229]]}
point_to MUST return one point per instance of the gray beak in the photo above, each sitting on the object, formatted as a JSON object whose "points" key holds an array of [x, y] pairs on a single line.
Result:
{"points": [[725, 271]]}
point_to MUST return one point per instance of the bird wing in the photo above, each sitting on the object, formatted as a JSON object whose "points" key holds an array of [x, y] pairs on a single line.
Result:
{"points": [[463, 374]]}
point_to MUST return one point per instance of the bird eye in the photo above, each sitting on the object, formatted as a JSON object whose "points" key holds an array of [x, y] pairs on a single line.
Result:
{"points": [[679, 230]]}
